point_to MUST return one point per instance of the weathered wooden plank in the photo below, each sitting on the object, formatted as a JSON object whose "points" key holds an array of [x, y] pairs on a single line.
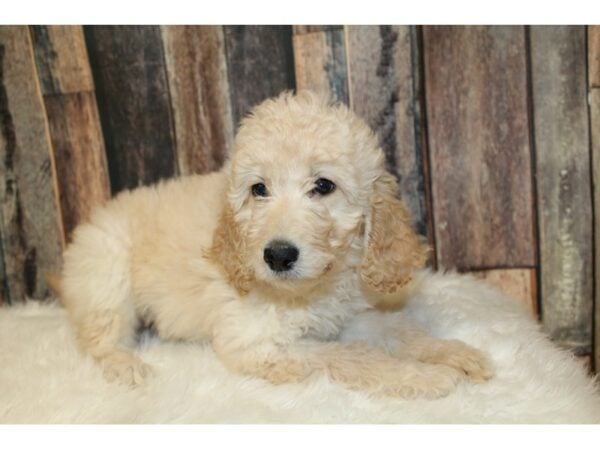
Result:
{"points": [[260, 64], [304, 29], [594, 55], [133, 99], [61, 59], [384, 89], [320, 63], [518, 283], [30, 218], [4, 293], [479, 146], [79, 155], [563, 183], [66, 80], [197, 72], [595, 133]]}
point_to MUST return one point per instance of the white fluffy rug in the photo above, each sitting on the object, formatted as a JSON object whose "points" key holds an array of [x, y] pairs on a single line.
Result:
{"points": [[43, 379]]}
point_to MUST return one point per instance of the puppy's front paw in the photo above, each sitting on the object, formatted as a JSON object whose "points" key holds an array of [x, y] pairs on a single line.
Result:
{"points": [[471, 361], [287, 371], [429, 381], [125, 368]]}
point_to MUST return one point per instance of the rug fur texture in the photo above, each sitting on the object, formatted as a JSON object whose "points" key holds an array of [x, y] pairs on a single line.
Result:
{"points": [[43, 378]]}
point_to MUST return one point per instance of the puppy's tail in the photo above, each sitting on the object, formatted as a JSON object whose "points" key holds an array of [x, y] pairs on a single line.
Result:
{"points": [[53, 282]]}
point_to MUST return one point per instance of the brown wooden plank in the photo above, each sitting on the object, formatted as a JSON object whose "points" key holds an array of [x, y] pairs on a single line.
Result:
{"points": [[61, 59], [260, 64], [595, 133], [304, 29], [479, 146], [559, 88], [594, 55], [79, 155], [515, 283], [30, 220], [133, 99], [66, 80], [320, 63], [384, 90], [199, 89]]}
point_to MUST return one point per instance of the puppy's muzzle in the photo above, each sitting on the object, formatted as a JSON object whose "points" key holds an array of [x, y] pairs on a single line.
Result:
{"points": [[280, 255]]}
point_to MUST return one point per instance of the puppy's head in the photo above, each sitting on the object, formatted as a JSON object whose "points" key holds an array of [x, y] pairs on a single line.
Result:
{"points": [[309, 197]]}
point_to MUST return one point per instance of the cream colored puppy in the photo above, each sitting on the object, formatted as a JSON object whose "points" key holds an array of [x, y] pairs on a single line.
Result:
{"points": [[276, 259]]}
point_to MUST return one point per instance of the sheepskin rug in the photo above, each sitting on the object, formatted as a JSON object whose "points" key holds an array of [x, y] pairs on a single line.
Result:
{"points": [[43, 378]]}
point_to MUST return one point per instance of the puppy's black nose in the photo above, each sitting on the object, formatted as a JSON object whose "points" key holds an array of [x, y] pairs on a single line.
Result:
{"points": [[280, 255]]}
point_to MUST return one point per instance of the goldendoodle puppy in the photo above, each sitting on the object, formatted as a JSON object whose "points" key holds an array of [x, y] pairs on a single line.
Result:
{"points": [[277, 260]]}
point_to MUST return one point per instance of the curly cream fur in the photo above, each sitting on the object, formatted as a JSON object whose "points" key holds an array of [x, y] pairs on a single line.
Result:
{"points": [[187, 256], [394, 251]]}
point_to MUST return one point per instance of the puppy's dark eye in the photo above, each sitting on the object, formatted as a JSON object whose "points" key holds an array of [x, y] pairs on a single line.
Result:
{"points": [[259, 190], [323, 186]]}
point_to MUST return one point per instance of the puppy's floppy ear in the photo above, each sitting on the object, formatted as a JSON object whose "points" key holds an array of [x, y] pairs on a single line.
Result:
{"points": [[393, 251], [229, 251]]}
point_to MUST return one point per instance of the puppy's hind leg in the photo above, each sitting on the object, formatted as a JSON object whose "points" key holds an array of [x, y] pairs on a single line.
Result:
{"points": [[96, 290], [107, 336]]}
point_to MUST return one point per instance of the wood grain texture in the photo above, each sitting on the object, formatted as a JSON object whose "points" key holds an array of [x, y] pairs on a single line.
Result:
{"points": [[320, 63], [594, 55], [595, 134], [304, 29], [133, 100], [79, 155], [515, 283], [563, 183], [384, 89], [30, 218], [199, 91], [4, 292], [61, 59], [260, 64], [479, 146], [66, 79]]}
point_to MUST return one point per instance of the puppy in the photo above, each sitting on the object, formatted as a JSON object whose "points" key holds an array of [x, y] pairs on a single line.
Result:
{"points": [[277, 260]]}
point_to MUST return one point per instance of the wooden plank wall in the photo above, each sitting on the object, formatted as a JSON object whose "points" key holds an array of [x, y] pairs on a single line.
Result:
{"points": [[129, 70], [199, 92], [32, 232], [563, 183], [493, 133], [594, 99], [385, 89], [479, 146], [68, 91]]}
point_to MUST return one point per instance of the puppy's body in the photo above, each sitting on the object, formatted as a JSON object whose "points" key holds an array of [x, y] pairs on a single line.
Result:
{"points": [[189, 255]]}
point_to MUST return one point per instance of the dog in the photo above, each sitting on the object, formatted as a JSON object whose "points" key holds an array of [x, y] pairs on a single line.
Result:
{"points": [[278, 259]]}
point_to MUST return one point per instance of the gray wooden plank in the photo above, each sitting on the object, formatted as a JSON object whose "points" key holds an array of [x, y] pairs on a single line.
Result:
{"points": [[320, 63], [61, 59], [32, 235], [260, 64], [594, 55], [558, 56], [595, 134], [128, 67], [384, 89]]}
